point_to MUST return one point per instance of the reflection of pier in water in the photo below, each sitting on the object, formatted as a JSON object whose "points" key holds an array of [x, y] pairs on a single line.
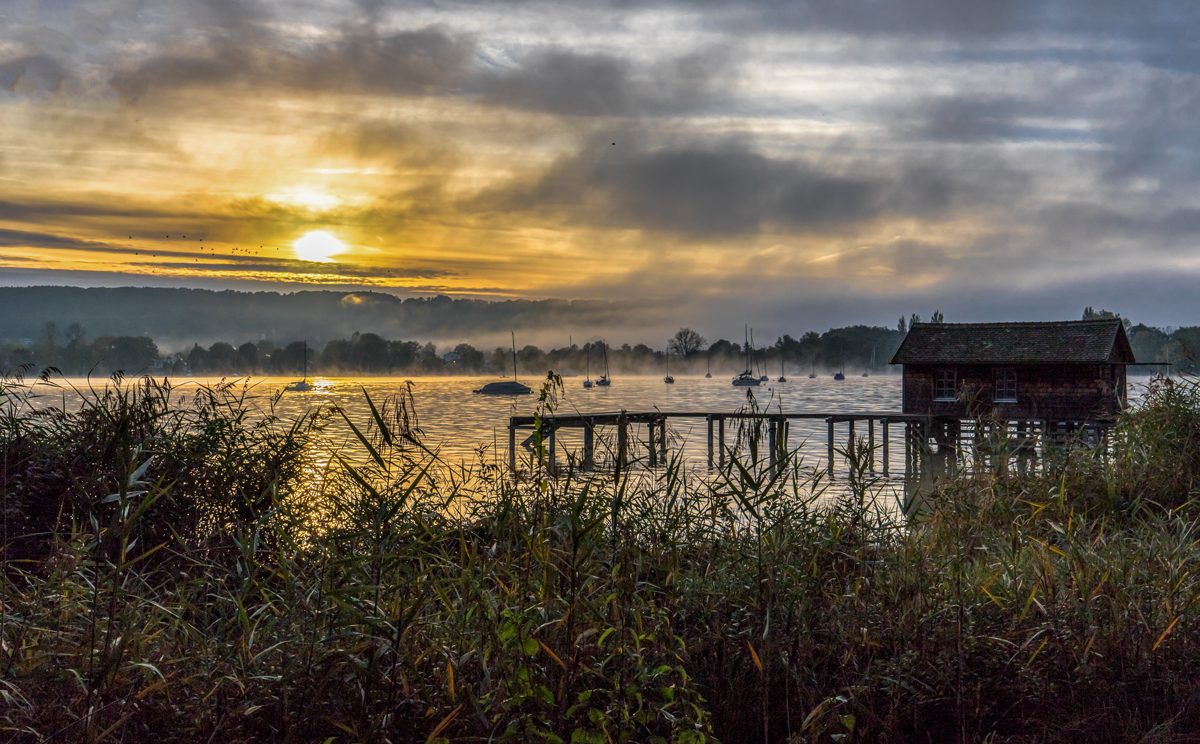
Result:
{"points": [[933, 446]]}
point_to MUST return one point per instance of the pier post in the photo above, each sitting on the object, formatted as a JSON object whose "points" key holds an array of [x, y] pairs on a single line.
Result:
{"points": [[721, 441], [662, 441], [784, 429], [829, 464], [908, 438], [589, 445], [512, 448], [651, 444], [883, 423], [553, 460], [851, 446], [622, 441], [772, 443], [710, 440], [871, 442]]}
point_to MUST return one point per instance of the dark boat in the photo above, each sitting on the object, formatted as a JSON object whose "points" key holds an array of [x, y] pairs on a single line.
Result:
{"points": [[604, 381], [668, 379], [506, 387], [301, 386], [747, 378]]}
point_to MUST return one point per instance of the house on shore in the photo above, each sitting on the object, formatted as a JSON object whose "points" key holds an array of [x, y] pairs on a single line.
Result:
{"points": [[1060, 371]]}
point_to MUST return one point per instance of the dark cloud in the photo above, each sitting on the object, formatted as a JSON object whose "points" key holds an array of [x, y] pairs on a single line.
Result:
{"points": [[24, 238], [358, 60], [563, 82], [733, 190]]}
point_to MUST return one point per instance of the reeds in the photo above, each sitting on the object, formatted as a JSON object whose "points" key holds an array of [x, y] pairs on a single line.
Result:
{"points": [[407, 600]]}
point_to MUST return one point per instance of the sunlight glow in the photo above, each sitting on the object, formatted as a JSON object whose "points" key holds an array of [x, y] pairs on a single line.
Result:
{"points": [[318, 246]]}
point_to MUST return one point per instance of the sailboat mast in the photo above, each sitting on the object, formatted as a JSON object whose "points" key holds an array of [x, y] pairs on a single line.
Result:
{"points": [[514, 345]]}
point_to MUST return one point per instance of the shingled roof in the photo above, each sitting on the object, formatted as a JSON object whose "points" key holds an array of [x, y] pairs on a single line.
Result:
{"points": [[1055, 342]]}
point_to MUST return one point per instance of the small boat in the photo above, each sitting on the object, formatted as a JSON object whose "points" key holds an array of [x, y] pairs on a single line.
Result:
{"points": [[588, 382], [301, 386], [708, 375], [747, 378], [813, 375], [782, 377], [841, 373], [668, 379], [871, 367], [604, 381], [506, 387]]}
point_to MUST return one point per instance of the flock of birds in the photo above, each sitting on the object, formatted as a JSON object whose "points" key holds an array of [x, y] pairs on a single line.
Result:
{"points": [[234, 250]]}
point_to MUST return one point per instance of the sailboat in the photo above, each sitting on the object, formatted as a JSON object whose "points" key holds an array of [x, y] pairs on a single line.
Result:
{"points": [[813, 375], [871, 367], [588, 382], [507, 387], [604, 381], [708, 375], [841, 373], [668, 379], [782, 378], [302, 386], [747, 378]]}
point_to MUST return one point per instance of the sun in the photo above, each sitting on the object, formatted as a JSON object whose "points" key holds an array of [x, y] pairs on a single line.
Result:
{"points": [[317, 246]]}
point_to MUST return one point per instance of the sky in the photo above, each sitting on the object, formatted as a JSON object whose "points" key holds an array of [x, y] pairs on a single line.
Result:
{"points": [[793, 164]]}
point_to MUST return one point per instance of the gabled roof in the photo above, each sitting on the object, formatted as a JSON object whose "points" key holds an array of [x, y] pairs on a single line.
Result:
{"points": [[1052, 342]]}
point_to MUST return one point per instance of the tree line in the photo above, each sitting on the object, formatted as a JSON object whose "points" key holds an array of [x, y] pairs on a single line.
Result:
{"points": [[853, 349]]}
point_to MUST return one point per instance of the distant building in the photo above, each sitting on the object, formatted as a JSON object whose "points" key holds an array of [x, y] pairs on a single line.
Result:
{"points": [[1070, 371], [451, 358]]}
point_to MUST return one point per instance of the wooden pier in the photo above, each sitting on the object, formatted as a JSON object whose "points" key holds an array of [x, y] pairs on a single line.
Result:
{"points": [[925, 437], [656, 424]]}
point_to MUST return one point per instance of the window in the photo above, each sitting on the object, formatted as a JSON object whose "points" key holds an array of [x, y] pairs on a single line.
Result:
{"points": [[1006, 386], [943, 385]]}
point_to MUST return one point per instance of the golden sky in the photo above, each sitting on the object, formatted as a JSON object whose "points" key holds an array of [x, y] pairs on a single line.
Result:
{"points": [[807, 158]]}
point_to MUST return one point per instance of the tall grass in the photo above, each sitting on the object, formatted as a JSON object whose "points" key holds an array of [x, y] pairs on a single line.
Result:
{"points": [[408, 600]]}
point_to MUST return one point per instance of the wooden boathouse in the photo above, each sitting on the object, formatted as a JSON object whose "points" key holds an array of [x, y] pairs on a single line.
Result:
{"points": [[1009, 385], [1068, 370]]}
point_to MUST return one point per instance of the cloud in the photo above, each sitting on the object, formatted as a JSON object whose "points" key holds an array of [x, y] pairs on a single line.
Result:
{"points": [[561, 81], [354, 60], [732, 190]]}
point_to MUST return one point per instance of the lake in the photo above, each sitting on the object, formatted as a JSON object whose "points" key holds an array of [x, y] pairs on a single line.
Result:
{"points": [[458, 422]]}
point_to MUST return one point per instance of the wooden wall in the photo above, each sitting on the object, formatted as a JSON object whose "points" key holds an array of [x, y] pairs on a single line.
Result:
{"points": [[1061, 391]]}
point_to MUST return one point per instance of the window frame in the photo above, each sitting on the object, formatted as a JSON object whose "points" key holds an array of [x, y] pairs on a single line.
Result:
{"points": [[940, 381], [1004, 380]]}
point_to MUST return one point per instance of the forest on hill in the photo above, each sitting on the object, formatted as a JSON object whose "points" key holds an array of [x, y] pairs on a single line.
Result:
{"points": [[176, 317]]}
